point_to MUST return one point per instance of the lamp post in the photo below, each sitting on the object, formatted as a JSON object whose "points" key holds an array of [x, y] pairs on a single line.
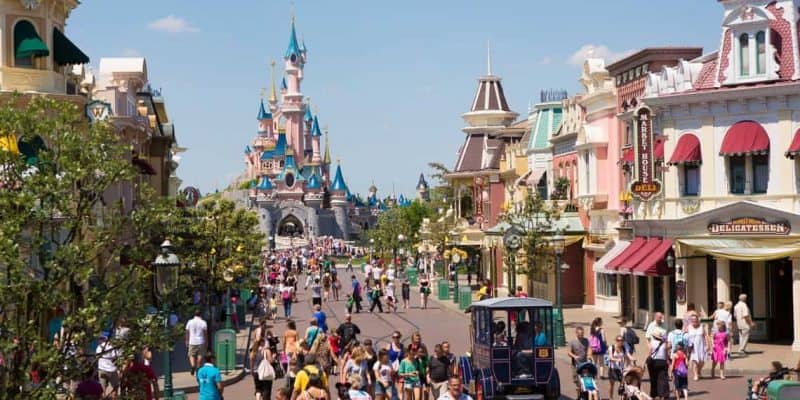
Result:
{"points": [[371, 249], [166, 267], [227, 276], [400, 239], [558, 243], [513, 242]]}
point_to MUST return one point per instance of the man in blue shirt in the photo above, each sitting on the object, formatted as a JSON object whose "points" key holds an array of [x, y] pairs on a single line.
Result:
{"points": [[320, 316], [209, 380], [356, 293]]}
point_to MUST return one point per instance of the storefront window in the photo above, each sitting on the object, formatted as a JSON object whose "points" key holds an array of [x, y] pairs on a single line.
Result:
{"points": [[691, 180], [760, 173], [607, 285], [658, 293], [641, 289], [671, 297], [737, 174]]}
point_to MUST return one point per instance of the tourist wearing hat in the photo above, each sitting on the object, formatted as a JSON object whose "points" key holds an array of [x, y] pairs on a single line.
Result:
{"points": [[657, 363]]}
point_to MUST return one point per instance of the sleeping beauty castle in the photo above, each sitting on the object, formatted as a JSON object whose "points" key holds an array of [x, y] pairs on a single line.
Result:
{"points": [[292, 185]]}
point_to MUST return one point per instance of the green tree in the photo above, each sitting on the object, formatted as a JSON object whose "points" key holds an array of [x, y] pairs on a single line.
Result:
{"points": [[65, 243], [535, 220]]}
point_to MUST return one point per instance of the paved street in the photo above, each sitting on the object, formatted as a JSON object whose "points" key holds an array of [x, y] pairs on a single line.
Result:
{"points": [[441, 322]]}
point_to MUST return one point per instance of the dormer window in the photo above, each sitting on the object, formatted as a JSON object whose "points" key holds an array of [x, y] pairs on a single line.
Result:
{"points": [[752, 54], [751, 58]]}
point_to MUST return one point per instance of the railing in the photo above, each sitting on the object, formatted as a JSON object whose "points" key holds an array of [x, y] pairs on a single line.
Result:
{"points": [[32, 80]]}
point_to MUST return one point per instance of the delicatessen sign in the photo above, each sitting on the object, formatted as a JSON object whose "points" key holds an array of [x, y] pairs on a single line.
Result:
{"points": [[749, 226]]}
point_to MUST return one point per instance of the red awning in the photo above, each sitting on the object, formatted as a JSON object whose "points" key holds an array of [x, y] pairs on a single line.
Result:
{"points": [[630, 264], [687, 151], [144, 166], [635, 245], [654, 264], [745, 137], [627, 156], [659, 150], [794, 148]]}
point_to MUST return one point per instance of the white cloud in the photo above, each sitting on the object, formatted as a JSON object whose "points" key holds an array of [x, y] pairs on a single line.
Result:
{"points": [[131, 53], [596, 51], [546, 60], [172, 24]]}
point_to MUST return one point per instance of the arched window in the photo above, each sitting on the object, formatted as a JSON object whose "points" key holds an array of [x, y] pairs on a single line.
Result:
{"points": [[27, 45], [744, 54], [761, 53]]}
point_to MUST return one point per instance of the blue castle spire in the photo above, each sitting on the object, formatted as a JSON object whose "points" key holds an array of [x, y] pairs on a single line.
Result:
{"points": [[308, 117], [265, 184], [314, 183], [338, 181], [315, 131], [262, 112], [294, 48], [283, 84]]}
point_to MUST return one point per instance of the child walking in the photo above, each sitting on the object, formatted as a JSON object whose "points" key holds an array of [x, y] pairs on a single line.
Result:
{"points": [[680, 373], [721, 349]]}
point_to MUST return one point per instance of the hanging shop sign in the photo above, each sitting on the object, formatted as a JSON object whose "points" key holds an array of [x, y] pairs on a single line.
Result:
{"points": [[749, 226], [646, 186]]}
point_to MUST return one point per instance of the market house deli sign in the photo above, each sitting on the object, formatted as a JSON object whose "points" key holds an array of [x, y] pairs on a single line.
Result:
{"points": [[749, 226], [646, 186]]}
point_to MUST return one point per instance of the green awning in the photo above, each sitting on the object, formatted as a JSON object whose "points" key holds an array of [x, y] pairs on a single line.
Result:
{"points": [[27, 42], [65, 52]]}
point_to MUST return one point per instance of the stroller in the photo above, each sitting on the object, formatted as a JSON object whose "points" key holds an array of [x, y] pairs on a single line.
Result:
{"points": [[587, 386], [631, 385]]}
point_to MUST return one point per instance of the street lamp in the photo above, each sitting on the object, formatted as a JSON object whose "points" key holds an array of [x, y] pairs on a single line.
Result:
{"points": [[513, 242], [371, 249], [559, 243], [227, 276], [166, 267], [400, 239]]}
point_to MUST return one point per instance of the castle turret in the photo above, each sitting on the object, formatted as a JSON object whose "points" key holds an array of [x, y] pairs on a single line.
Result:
{"points": [[273, 96], [422, 189], [338, 190], [293, 108], [316, 133], [264, 120], [308, 121]]}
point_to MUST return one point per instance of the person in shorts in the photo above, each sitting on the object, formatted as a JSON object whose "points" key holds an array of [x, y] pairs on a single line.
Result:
{"points": [[196, 340]]}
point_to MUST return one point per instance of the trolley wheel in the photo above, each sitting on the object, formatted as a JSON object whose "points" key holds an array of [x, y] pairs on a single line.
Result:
{"points": [[553, 388]]}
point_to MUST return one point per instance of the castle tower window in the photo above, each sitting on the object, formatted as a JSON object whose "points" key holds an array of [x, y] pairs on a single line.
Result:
{"points": [[27, 45]]}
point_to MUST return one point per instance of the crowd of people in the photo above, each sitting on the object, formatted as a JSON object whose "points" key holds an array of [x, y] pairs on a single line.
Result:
{"points": [[298, 363], [673, 356]]}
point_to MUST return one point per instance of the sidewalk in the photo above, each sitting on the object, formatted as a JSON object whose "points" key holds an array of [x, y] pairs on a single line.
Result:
{"points": [[182, 380], [756, 363]]}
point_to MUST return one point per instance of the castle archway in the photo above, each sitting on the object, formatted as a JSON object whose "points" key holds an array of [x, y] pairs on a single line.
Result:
{"points": [[290, 226]]}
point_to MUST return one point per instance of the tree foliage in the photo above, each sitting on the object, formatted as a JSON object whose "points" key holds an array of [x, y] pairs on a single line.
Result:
{"points": [[535, 220], [72, 250]]}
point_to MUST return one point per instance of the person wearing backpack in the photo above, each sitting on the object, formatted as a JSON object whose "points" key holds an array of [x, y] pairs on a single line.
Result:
{"points": [[677, 336], [680, 372], [310, 383], [598, 344], [629, 339]]}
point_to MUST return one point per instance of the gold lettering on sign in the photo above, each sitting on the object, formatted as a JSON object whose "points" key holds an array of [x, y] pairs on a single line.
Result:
{"points": [[749, 226]]}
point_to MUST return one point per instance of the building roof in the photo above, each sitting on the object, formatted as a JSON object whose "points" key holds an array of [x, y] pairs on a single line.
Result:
{"points": [[308, 117], [478, 153], [548, 120], [338, 181], [490, 95], [510, 302]]}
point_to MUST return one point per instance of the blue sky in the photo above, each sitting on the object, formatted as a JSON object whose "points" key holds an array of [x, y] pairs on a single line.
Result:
{"points": [[390, 79]]}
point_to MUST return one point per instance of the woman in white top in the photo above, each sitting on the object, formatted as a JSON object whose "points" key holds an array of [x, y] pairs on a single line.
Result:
{"points": [[657, 367], [697, 339], [721, 314]]}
